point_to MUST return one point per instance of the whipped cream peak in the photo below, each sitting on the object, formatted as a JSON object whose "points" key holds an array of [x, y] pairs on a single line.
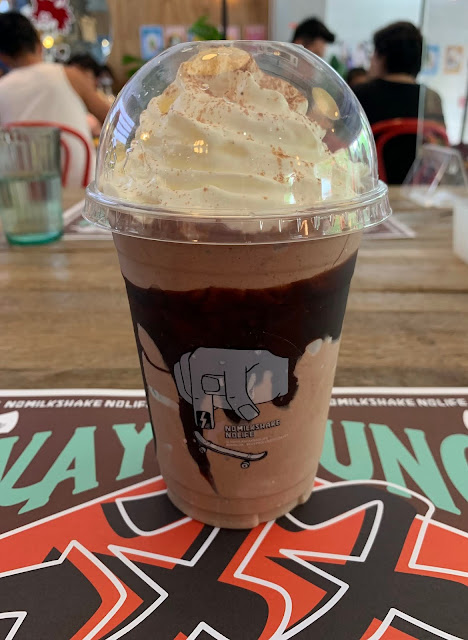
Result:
{"points": [[226, 135]]}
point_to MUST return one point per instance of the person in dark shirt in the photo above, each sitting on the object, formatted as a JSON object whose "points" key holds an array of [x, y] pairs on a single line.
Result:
{"points": [[394, 93]]}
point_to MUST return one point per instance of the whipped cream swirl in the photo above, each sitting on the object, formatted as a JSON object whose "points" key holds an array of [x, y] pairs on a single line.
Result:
{"points": [[226, 135]]}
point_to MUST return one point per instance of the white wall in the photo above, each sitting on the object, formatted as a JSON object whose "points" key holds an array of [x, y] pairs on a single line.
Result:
{"points": [[355, 21], [285, 13], [351, 20], [446, 24]]}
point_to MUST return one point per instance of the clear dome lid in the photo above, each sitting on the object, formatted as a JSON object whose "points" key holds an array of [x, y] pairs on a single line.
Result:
{"points": [[262, 137]]}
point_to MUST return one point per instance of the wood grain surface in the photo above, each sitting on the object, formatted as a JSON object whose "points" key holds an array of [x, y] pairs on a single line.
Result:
{"points": [[65, 319]]}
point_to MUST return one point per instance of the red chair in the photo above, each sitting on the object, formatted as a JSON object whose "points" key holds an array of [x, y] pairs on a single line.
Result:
{"points": [[389, 129], [65, 147]]}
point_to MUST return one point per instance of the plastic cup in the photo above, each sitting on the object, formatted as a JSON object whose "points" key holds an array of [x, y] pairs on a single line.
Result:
{"points": [[238, 312], [30, 185]]}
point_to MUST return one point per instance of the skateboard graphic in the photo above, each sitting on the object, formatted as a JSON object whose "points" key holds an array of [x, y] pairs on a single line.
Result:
{"points": [[233, 379], [206, 445]]}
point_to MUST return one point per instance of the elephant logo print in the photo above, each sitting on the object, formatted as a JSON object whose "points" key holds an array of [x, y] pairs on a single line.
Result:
{"points": [[234, 379]]}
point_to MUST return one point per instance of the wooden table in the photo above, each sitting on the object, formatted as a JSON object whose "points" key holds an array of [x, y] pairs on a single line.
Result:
{"points": [[65, 320]]}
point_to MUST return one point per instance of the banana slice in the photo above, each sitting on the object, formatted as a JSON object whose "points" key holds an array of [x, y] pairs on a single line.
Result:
{"points": [[216, 60], [167, 98], [324, 103]]}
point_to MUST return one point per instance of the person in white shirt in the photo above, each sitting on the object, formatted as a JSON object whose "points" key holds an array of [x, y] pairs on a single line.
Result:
{"points": [[34, 90]]}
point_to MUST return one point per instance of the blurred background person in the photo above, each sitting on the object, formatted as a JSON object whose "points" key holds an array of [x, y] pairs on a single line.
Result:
{"points": [[102, 79], [3, 69], [356, 76], [393, 92], [100, 74], [34, 90], [87, 64], [314, 36]]}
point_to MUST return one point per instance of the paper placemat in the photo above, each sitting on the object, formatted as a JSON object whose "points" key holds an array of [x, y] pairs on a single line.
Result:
{"points": [[77, 228], [390, 229], [91, 547]]}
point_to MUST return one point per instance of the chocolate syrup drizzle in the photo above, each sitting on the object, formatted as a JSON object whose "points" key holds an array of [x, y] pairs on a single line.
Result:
{"points": [[282, 320]]}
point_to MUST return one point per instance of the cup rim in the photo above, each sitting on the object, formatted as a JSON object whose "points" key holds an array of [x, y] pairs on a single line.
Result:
{"points": [[320, 210]]}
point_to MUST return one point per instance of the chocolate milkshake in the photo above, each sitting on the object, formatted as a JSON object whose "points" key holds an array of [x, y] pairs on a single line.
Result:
{"points": [[237, 231]]}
